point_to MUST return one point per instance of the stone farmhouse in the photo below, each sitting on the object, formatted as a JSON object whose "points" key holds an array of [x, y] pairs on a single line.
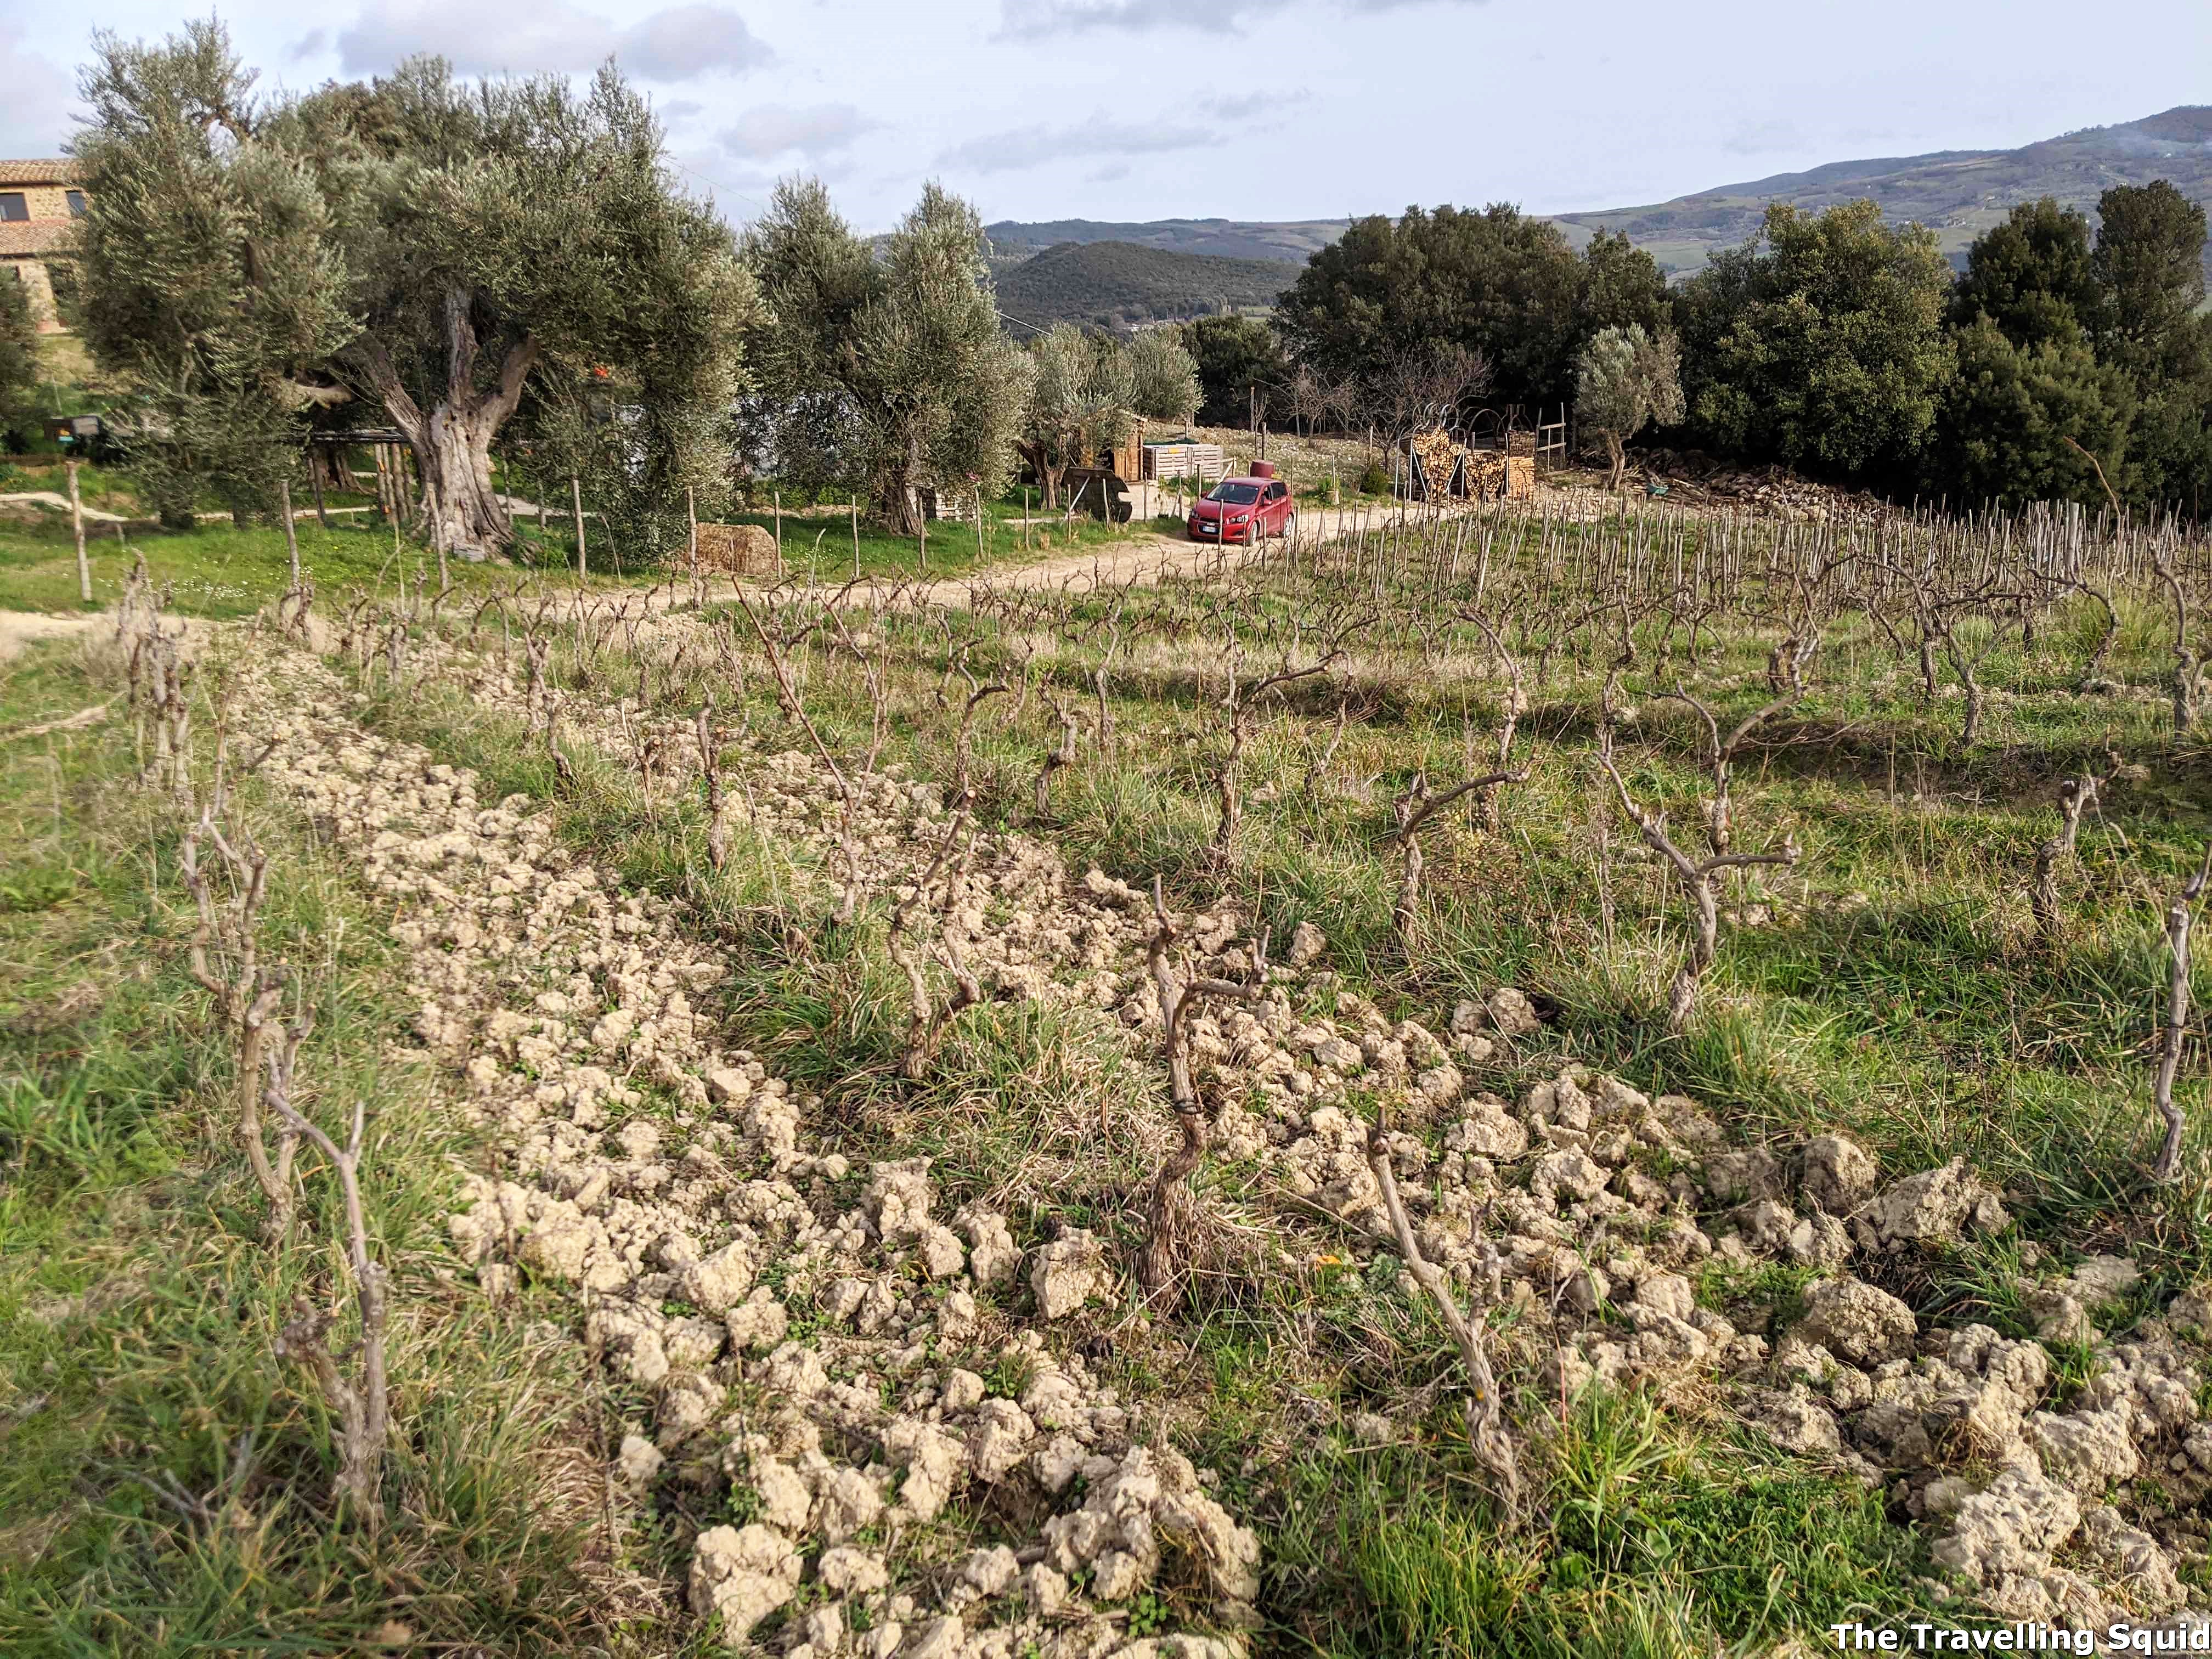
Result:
{"points": [[40, 206]]}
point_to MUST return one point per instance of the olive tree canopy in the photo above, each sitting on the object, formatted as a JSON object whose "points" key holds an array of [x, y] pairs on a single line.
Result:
{"points": [[882, 370], [1163, 376], [1080, 404], [1087, 389], [415, 241], [19, 362], [1625, 379]]}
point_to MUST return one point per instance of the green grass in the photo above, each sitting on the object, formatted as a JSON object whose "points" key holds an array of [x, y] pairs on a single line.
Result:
{"points": [[221, 571], [214, 571], [1640, 1541], [138, 1304]]}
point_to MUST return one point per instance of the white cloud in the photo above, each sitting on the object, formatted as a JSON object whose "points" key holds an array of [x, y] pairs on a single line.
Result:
{"points": [[677, 43], [814, 130]]}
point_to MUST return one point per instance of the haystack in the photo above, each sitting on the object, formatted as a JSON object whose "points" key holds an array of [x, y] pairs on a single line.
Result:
{"points": [[739, 549]]}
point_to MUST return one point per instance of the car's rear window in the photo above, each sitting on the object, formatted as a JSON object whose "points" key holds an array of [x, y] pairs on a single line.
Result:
{"points": [[1236, 494]]}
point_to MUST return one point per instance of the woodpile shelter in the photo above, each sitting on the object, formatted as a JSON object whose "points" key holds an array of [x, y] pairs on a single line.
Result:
{"points": [[40, 202], [1440, 466]]}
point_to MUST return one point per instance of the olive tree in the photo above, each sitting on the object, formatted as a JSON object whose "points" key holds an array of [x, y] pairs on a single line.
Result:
{"points": [[1626, 379], [885, 372], [1163, 376], [19, 361], [209, 285], [1080, 404], [415, 241], [938, 387]]}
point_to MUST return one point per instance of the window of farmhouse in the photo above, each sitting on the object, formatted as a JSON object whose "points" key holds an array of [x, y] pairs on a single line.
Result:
{"points": [[75, 203], [12, 207]]}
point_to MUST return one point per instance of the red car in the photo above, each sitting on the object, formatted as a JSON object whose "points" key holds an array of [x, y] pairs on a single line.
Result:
{"points": [[1243, 510]]}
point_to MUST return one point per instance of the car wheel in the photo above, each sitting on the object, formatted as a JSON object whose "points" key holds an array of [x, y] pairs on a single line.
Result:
{"points": [[1290, 523]]}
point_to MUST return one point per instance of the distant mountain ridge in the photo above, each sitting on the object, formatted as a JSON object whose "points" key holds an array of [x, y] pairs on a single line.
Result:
{"points": [[1958, 193], [1111, 284], [1229, 238]]}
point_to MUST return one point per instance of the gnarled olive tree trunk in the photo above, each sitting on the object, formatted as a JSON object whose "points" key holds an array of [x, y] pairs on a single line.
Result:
{"points": [[462, 513]]}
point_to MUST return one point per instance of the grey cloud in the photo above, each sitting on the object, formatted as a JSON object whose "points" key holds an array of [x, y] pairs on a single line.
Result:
{"points": [[1765, 138], [1094, 140], [677, 43], [1103, 140], [768, 130], [34, 117], [312, 44], [1031, 19]]}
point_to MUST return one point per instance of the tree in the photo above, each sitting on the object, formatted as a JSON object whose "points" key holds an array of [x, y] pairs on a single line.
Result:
{"points": [[2009, 416], [1620, 285], [2149, 261], [888, 373], [2030, 387], [815, 277], [19, 365], [938, 387], [1428, 386], [207, 280], [1624, 379], [2032, 276], [1163, 376], [1233, 355], [1495, 282], [1078, 404], [415, 241], [1819, 342]]}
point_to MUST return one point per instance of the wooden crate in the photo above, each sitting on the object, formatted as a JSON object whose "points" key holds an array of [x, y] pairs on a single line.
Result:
{"points": [[1185, 460]]}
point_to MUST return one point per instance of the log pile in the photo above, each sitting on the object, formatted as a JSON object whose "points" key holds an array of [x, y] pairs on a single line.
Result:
{"points": [[1447, 468], [1438, 457], [1697, 479], [739, 549], [1492, 473]]}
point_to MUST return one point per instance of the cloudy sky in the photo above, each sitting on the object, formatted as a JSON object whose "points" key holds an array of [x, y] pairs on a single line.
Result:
{"points": [[1257, 109]]}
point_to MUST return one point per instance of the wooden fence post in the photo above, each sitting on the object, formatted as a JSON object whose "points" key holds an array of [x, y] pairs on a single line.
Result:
{"points": [[576, 502], [77, 521], [291, 537]]}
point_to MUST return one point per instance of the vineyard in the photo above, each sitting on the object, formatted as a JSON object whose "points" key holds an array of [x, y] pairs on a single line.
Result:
{"points": [[1493, 1083]]}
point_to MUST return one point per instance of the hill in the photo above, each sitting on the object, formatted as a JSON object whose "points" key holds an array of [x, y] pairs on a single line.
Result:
{"points": [[1957, 193], [1115, 284], [1228, 239]]}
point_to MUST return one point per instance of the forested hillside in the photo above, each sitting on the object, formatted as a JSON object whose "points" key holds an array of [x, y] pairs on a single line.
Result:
{"points": [[1113, 284]]}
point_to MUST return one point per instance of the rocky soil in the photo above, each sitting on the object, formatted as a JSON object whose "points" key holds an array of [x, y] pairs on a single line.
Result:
{"points": [[861, 1366]]}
